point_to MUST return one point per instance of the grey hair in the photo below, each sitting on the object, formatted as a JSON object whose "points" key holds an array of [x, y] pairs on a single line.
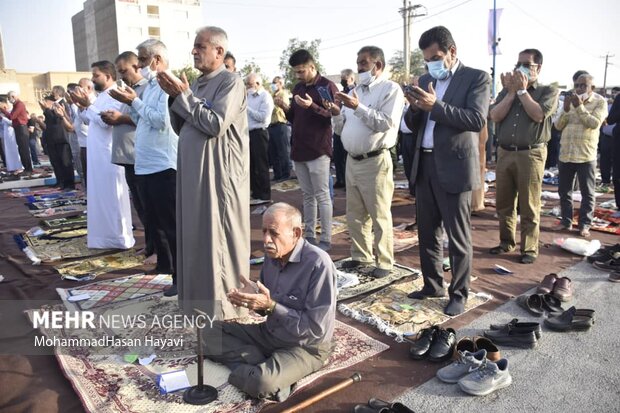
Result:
{"points": [[13, 93], [218, 36], [154, 47], [346, 72], [587, 76], [253, 77], [86, 81], [292, 214]]}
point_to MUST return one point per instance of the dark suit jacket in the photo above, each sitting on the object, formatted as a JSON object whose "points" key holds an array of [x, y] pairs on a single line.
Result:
{"points": [[459, 117]]}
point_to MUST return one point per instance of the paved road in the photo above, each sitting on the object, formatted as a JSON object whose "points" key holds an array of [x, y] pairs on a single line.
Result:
{"points": [[568, 372]]}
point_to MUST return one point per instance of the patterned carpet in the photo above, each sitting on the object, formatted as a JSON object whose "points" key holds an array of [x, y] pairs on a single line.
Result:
{"points": [[106, 383], [100, 265], [393, 313]]}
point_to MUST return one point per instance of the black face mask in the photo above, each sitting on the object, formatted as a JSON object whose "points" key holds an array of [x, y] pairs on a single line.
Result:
{"points": [[344, 84]]}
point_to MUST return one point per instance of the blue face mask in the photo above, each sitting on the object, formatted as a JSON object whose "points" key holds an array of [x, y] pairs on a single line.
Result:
{"points": [[438, 70], [525, 71]]}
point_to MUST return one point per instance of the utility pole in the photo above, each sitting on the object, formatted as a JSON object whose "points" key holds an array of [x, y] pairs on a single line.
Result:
{"points": [[409, 12], [607, 56]]}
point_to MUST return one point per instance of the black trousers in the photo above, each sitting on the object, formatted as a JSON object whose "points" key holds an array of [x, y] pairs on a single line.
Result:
{"points": [[616, 167], [434, 207], [83, 160], [340, 160], [605, 144], [259, 164], [138, 204], [22, 136], [407, 148], [159, 193], [62, 163]]}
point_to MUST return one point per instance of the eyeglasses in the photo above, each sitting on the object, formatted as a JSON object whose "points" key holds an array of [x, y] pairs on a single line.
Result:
{"points": [[580, 85], [526, 65]]}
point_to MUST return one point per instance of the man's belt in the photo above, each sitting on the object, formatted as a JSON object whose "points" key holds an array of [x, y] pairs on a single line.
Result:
{"points": [[521, 148], [368, 155], [277, 123]]}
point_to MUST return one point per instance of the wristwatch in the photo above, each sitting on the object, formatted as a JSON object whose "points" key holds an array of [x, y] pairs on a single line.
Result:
{"points": [[521, 92]]}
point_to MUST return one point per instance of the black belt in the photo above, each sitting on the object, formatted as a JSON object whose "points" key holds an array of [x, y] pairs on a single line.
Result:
{"points": [[368, 155], [426, 150], [521, 148], [276, 123]]}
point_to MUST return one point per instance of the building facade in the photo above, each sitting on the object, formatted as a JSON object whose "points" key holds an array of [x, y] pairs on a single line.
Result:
{"points": [[105, 28]]}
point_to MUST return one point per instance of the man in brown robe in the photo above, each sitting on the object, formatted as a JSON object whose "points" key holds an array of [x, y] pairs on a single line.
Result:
{"points": [[213, 189]]}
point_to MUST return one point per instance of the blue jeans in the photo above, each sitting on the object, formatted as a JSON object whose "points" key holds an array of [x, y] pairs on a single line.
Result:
{"points": [[33, 151]]}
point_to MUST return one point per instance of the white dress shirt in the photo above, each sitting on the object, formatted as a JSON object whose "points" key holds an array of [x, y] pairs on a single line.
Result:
{"points": [[260, 107]]}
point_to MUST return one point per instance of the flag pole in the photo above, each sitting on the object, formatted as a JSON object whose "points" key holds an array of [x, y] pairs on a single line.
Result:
{"points": [[494, 45]]}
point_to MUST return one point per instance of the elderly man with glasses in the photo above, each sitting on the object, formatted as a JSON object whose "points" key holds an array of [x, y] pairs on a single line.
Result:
{"points": [[522, 115]]}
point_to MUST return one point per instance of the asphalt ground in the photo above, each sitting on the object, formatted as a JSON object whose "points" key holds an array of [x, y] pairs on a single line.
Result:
{"points": [[567, 372]]}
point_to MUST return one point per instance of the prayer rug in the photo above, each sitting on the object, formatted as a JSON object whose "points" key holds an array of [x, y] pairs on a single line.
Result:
{"points": [[368, 283], [339, 225], [50, 250], [54, 203], [106, 383], [286, 186], [51, 197], [72, 221], [401, 198], [50, 212], [604, 221], [396, 315], [116, 291], [101, 265], [24, 192], [405, 237]]}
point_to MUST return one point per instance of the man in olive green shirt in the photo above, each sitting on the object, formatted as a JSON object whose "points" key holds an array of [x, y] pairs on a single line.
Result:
{"points": [[522, 114]]}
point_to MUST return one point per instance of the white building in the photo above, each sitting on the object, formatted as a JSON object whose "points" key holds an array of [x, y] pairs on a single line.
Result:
{"points": [[106, 28]]}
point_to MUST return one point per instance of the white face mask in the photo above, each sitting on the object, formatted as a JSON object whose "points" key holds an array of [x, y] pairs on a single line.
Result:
{"points": [[251, 91], [147, 72], [366, 78], [584, 96], [274, 87]]}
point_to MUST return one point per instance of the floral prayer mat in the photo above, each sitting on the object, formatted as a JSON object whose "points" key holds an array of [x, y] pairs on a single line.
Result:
{"points": [[286, 186], [367, 283], [56, 249], [25, 192], [106, 383], [54, 203], [405, 237], [110, 292], [394, 314], [50, 212], [101, 265]]}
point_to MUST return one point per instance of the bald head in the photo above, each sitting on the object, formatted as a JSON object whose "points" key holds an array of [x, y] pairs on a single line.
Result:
{"points": [[253, 81]]}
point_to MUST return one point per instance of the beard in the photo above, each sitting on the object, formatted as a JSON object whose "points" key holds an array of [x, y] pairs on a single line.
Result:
{"points": [[98, 87]]}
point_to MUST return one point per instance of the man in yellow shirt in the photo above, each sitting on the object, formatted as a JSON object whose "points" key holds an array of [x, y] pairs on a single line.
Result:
{"points": [[279, 134], [581, 117]]}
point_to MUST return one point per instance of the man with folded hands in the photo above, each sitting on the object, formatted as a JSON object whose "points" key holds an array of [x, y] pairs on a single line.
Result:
{"points": [[522, 114], [297, 292]]}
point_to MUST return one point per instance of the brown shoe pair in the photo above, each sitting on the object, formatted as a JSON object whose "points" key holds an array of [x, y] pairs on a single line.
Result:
{"points": [[473, 344], [559, 287]]}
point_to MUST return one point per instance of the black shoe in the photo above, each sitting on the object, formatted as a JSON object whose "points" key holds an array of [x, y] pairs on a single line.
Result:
{"points": [[570, 320], [421, 347], [513, 337], [527, 259], [535, 327], [532, 303], [424, 294], [171, 291], [454, 307], [379, 405], [380, 272], [338, 185], [605, 254], [348, 265], [500, 249], [443, 345]]}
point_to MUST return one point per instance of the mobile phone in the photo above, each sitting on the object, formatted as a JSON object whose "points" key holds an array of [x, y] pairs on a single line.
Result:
{"points": [[324, 93], [408, 89], [120, 83]]}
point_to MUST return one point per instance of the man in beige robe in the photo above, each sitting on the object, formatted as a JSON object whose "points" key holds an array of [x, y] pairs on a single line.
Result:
{"points": [[213, 187]]}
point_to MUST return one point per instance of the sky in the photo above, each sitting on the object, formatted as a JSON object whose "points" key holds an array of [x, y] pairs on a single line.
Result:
{"points": [[571, 34]]}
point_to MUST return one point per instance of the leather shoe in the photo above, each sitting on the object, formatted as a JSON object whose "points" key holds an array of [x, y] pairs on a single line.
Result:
{"points": [[535, 327], [551, 304], [171, 291], [421, 347], [380, 272], [605, 253], [569, 321], [424, 294], [443, 344], [563, 289], [483, 343], [351, 264], [513, 337], [546, 285], [364, 408], [527, 258], [392, 407], [500, 249], [532, 303]]}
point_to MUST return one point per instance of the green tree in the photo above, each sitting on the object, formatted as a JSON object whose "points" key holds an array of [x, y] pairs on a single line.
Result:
{"points": [[253, 67], [293, 45], [398, 66], [191, 73]]}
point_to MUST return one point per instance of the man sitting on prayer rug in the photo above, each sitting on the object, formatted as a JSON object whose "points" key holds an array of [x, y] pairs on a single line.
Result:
{"points": [[297, 292]]}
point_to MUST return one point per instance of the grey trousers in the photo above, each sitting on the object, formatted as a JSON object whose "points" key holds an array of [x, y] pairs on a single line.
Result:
{"points": [[435, 206], [313, 177], [586, 174], [262, 366]]}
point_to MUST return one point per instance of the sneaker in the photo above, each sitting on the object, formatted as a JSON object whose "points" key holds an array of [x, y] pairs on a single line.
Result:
{"points": [[614, 277], [466, 363], [487, 378]]}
